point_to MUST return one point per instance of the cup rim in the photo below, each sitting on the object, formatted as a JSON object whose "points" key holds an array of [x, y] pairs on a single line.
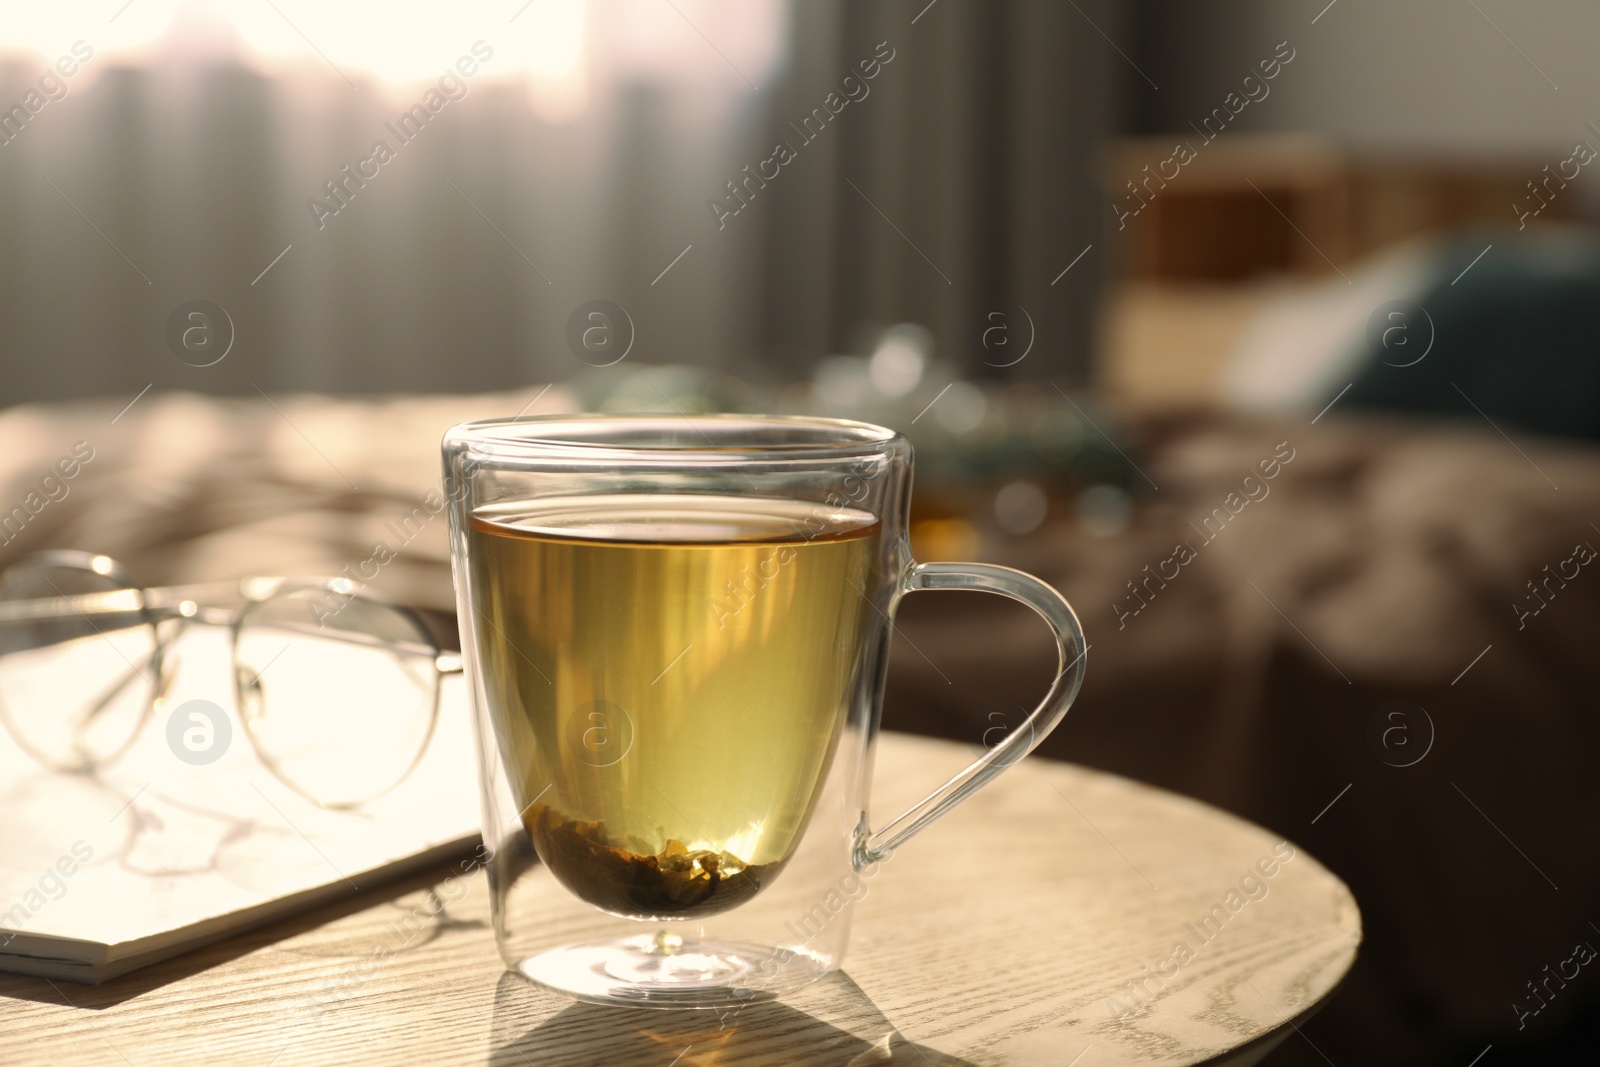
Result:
{"points": [[648, 437]]}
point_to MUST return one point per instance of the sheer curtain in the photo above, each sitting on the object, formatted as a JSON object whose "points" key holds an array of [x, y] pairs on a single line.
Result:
{"points": [[969, 179], [190, 170]]}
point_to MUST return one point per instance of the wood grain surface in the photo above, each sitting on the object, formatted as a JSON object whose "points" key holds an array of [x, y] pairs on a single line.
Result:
{"points": [[1009, 933]]}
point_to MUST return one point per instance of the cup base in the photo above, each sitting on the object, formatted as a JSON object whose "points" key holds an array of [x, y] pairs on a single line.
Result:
{"points": [[663, 970]]}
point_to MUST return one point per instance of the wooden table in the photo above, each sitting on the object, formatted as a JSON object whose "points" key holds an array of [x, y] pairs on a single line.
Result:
{"points": [[1009, 933]]}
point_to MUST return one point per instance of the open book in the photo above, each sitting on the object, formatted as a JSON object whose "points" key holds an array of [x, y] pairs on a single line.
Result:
{"points": [[151, 857]]}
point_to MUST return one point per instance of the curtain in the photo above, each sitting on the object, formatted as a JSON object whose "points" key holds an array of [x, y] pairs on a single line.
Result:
{"points": [[458, 263], [966, 182]]}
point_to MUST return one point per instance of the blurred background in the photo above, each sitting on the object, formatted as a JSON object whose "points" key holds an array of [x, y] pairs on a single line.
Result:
{"points": [[1106, 263]]}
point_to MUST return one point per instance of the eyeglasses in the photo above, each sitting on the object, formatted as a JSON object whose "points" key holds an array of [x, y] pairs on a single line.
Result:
{"points": [[338, 692]]}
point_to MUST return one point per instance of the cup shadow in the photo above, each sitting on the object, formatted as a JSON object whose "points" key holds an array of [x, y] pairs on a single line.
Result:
{"points": [[843, 1029]]}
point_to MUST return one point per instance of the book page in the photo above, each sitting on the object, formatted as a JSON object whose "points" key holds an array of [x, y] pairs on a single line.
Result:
{"points": [[157, 853]]}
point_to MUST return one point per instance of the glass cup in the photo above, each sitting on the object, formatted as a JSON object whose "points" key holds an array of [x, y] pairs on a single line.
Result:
{"points": [[676, 633]]}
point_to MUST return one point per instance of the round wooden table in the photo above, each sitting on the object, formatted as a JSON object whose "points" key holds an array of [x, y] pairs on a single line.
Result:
{"points": [[1061, 917]]}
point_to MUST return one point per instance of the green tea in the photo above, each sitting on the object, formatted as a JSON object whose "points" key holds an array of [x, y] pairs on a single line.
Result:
{"points": [[667, 676]]}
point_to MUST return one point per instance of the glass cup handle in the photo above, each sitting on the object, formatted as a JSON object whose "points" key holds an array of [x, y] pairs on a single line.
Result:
{"points": [[1055, 610]]}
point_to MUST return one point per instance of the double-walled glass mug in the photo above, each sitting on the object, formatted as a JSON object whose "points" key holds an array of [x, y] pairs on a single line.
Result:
{"points": [[677, 632]]}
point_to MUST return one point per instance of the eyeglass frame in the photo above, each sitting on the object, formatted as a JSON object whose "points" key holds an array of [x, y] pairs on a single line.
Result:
{"points": [[184, 608]]}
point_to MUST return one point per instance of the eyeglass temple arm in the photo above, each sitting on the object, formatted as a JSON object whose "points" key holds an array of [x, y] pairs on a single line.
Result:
{"points": [[45, 621], [86, 721], [135, 670]]}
